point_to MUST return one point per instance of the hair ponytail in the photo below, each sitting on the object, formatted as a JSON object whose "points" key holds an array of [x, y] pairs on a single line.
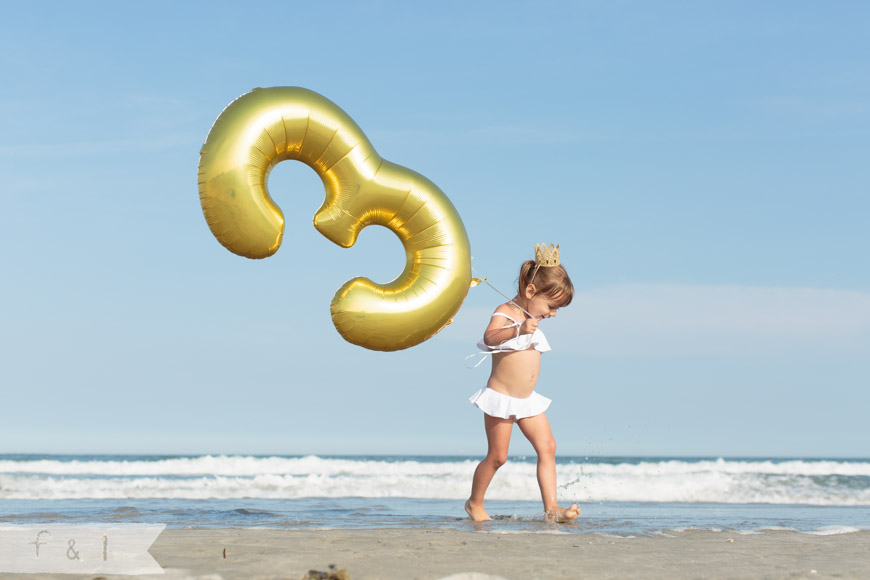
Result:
{"points": [[526, 274]]}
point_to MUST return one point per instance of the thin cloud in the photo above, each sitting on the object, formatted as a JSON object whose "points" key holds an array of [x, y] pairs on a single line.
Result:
{"points": [[502, 134], [668, 320], [109, 146], [818, 109]]}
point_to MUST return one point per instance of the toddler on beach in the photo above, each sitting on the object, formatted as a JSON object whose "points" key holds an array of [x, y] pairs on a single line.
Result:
{"points": [[516, 343]]}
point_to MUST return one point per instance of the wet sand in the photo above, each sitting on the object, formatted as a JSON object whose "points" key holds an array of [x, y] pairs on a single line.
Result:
{"points": [[407, 554]]}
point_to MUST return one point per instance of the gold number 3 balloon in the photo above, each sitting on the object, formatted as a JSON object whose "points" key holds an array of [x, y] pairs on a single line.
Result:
{"points": [[267, 126]]}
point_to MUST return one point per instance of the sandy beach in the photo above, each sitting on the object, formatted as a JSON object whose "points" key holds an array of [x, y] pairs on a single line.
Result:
{"points": [[407, 554]]}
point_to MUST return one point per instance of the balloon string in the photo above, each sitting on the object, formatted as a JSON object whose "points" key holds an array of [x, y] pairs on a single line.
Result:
{"points": [[510, 300]]}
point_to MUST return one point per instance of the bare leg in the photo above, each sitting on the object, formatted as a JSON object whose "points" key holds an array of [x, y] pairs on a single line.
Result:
{"points": [[537, 431], [498, 438]]}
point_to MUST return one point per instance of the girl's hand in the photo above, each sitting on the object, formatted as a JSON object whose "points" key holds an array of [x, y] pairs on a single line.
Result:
{"points": [[529, 326]]}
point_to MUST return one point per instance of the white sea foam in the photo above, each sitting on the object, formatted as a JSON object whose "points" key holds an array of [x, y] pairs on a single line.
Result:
{"points": [[833, 530], [823, 482]]}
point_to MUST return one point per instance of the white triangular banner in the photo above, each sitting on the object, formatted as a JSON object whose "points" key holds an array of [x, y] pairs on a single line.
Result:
{"points": [[79, 549]]}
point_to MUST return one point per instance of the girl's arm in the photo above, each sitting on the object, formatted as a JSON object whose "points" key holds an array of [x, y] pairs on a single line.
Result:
{"points": [[496, 333]]}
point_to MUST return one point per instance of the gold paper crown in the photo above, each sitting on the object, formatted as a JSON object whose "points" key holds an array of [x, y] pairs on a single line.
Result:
{"points": [[546, 256]]}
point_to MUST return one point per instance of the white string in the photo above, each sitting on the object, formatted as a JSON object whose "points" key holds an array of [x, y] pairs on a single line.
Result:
{"points": [[510, 300]]}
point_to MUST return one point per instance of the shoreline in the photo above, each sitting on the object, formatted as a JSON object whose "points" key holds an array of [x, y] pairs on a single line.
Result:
{"points": [[433, 554]]}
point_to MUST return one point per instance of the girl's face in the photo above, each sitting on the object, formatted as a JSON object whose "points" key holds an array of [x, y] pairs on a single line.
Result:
{"points": [[541, 305]]}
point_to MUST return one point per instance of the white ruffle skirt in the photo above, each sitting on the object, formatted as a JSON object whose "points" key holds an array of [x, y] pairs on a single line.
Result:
{"points": [[507, 407]]}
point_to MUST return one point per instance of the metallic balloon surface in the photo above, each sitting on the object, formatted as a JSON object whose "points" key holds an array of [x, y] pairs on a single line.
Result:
{"points": [[267, 126]]}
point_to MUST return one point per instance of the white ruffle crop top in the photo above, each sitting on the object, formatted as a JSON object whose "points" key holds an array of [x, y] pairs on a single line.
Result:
{"points": [[537, 340]]}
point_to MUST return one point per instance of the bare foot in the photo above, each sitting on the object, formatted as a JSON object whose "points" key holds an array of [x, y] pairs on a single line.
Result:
{"points": [[477, 513], [563, 515]]}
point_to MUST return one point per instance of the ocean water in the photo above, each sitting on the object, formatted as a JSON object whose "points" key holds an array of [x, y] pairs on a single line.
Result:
{"points": [[621, 496]]}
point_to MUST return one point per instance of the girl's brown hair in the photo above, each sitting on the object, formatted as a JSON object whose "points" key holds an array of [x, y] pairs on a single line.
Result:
{"points": [[552, 281]]}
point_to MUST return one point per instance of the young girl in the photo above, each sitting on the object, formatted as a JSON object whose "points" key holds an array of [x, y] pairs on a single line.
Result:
{"points": [[516, 343]]}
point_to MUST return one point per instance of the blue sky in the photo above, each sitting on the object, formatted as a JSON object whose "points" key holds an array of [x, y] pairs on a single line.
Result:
{"points": [[703, 167]]}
